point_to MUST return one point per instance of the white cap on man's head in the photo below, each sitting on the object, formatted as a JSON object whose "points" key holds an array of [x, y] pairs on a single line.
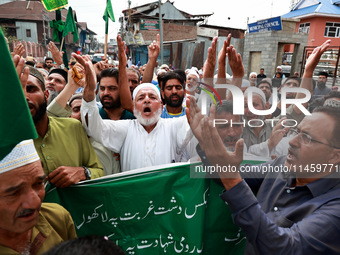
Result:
{"points": [[193, 72], [279, 67], [23, 153], [143, 86]]}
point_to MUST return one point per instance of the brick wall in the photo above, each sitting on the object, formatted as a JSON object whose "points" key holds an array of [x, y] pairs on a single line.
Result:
{"points": [[172, 32]]}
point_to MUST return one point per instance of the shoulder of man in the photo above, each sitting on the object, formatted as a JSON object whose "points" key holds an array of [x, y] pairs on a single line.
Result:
{"points": [[59, 219], [126, 115]]}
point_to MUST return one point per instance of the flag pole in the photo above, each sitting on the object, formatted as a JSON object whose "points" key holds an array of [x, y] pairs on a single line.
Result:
{"points": [[105, 46], [61, 45]]}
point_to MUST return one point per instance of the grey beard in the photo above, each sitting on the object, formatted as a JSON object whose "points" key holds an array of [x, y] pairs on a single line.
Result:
{"points": [[147, 122], [52, 94]]}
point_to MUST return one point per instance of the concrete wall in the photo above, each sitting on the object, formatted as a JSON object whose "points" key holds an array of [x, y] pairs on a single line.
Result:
{"points": [[271, 44]]}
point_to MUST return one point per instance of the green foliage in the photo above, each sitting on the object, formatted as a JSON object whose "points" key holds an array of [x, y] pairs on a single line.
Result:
{"points": [[10, 38]]}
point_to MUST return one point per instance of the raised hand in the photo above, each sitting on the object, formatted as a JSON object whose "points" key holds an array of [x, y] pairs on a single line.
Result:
{"points": [[90, 77], [314, 59], [222, 55], [277, 134], [209, 65], [101, 65], [19, 63], [153, 51], [18, 50], [121, 52], [154, 48], [56, 54], [213, 146], [235, 62]]}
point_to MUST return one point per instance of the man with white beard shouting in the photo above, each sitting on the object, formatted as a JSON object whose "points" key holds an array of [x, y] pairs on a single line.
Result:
{"points": [[145, 141]]}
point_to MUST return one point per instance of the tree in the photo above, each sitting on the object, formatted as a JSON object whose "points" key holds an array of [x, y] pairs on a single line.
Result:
{"points": [[10, 38]]}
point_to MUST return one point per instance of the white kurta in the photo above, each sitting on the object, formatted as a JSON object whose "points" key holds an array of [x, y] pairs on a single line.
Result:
{"points": [[137, 148]]}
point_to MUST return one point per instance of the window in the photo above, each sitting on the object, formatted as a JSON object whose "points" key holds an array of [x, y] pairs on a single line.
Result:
{"points": [[304, 28], [332, 29], [28, 32]]}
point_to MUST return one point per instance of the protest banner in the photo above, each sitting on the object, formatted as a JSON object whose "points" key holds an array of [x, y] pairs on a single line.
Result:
{"points": [[154, 211]]}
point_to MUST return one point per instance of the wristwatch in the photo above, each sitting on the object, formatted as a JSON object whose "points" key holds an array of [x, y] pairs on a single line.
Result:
{"points": [[62, 66], [87, 173]]}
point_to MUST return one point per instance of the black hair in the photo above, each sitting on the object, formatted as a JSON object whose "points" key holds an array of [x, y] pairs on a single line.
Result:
{"points": [[49, 58], [177, 74], [86, 245], [110, 72], [323, 73], [30, 63]]}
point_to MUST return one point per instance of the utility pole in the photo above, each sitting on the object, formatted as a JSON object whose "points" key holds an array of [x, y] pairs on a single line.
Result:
{"points": [[130, 26], [161, 30]]}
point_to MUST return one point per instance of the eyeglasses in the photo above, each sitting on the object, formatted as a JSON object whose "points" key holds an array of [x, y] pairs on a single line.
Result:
{"points": [[306, 139]]}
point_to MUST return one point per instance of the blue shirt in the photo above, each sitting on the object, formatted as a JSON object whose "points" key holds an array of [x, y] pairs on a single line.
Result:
{"points": [[284, 219], [321, 92], [167, 115]]}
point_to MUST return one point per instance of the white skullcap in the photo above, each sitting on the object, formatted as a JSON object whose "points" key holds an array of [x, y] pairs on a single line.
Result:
{"points": [[23, 153], [279, 67], [159, 71], [143, 86], [193, 72], [252, 74]]}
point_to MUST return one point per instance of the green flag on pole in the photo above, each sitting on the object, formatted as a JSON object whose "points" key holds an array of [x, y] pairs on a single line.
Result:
{"points": [[54, 5], [108, 14], [16, 121], [70, 25]]}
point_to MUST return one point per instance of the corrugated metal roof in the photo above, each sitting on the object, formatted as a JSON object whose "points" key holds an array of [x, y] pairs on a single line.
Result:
{"points": [[18, 11], [324, 7]]}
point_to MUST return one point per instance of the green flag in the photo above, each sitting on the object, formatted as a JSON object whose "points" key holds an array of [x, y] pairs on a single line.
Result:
{"points": [[108, 14], [16, 121], [70, 25], [54, 5]]}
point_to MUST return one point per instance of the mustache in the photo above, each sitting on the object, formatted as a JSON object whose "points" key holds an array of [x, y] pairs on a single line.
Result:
{"points": [[109, 97], [25, 212], [31, 105], [231, 139]]}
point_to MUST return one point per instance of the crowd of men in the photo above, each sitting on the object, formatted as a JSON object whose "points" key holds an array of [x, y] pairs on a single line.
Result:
{"points": [[112, 120]]}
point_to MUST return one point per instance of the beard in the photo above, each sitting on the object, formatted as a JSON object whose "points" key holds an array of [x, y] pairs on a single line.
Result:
{"points": [[40, 112], [168, 100], [150, 121], [114, 104], [321, 85]]}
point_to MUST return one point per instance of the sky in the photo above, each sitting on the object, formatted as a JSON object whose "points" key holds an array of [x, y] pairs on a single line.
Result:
{"points": [[228, 13]]}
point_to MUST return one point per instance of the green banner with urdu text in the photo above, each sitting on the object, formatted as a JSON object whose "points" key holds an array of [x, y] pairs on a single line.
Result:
{"points": [[154, 211], [52, 5]]}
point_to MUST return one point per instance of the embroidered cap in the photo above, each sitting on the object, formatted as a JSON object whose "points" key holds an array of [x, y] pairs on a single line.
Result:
{"points": [[23, 153]]}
